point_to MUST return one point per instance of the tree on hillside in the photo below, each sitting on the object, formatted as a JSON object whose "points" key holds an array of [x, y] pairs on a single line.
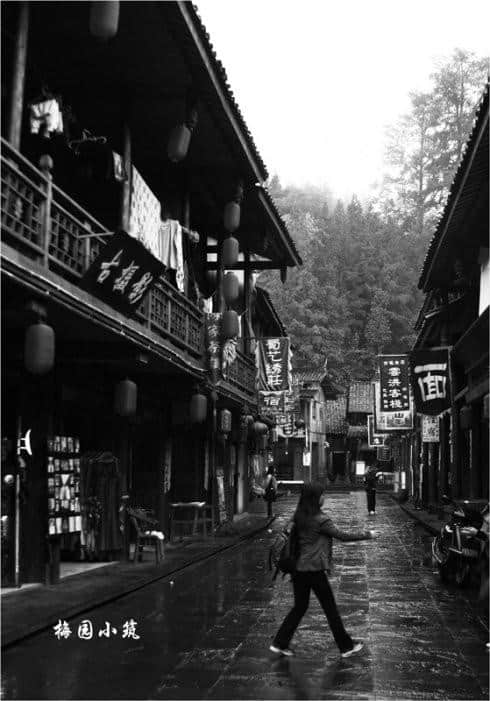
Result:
{"points": [[378, 332]]}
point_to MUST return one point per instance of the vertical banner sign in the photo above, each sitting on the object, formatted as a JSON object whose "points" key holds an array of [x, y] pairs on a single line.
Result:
{"points": [[431, 381], [213, 346], [375, 440], [123, 273], [395, 383], [430, 429], [273, 364], [388, 421]]}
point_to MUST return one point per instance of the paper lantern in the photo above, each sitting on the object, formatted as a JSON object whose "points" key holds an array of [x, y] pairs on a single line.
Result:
{"points": [[225, 419], [125, 398], [198, 408], [231, 216], [39, 349], [178, 143], [299, 423], [259, 428], [230, 327], [230, 288], [230, 252], [104, 19]]}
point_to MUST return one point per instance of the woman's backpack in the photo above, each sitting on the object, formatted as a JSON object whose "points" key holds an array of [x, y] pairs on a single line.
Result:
{"points": [[284, 553]]}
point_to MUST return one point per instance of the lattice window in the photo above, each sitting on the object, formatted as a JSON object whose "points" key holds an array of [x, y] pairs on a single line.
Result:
{"points": [[21, 205], [177, 322], [65, 243], [159, 308]]}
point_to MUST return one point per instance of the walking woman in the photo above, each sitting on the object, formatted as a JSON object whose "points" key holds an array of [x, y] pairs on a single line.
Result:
{"points": [[314, 533], [270, 489], [370, 482]]}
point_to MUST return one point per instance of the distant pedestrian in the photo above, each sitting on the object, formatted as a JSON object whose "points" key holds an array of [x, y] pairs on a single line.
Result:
{"points": [[270, 489], [314, 532], [370, 482]]}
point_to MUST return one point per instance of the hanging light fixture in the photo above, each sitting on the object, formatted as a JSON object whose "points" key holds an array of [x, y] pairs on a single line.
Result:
{"points": [[232, 211], [299, 423], [198, 408], [230, 327], [125, 398], [39, 348], [180, 136], [259, 428], [230, 252], [104, 19], [230, 288]]}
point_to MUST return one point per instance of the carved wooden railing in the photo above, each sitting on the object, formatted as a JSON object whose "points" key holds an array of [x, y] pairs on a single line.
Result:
{"points": [[46, 225], [242, 373]]}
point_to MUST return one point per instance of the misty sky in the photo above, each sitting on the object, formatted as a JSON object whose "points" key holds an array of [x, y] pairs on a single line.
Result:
{"points": [[317, 81]]}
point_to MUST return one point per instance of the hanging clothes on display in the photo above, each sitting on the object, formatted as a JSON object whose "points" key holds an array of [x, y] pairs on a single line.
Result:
{"points": [[171, 251], [100, 496], [145, 214], [46, 117]]}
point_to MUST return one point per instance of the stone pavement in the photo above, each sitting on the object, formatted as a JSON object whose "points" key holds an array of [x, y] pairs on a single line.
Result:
{"points": [[27, 611], [204, 632]]}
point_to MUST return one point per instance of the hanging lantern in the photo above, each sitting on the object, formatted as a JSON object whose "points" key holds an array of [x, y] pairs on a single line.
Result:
{"points": [[178, 143], [231, 216], [125, 398], [299, 423], [230, 326], [230, 287], [259, 428], [104, 19], [230, 252], [39, 349], [225, 421], [198, 409]]}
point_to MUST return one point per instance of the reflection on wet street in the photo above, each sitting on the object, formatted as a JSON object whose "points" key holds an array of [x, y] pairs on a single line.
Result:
{"points": [[204, 634]]}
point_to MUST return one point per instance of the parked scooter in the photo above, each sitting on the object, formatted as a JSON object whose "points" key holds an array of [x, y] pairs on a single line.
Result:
{"points": [[461, 548]]}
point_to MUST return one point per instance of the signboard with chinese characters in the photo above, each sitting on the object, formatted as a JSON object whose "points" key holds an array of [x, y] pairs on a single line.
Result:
{"points": [[395, 383], [213, 344], [123, 273], [388, 421], [431, 381], [375, 440], [430, 429], [273, 364]]}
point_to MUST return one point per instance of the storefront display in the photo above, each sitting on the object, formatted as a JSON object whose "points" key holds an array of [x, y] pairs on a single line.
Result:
{"points": [[64, 508]]}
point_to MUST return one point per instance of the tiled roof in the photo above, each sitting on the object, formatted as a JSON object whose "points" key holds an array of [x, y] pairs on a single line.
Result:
{"points": [[262, 294], [335, 412], [360, 398], [310, 374], [357, 432], [465, 164]]}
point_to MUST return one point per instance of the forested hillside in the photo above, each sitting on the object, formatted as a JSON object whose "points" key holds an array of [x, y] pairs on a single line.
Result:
{"points": [[356, 294]]}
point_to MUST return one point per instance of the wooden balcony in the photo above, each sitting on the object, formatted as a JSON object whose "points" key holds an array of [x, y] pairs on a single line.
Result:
{"points": [[241, 374], [44, 224]]}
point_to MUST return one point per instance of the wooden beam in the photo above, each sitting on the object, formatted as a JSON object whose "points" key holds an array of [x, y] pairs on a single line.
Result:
{"points": [[253, 265], [18, 78]]}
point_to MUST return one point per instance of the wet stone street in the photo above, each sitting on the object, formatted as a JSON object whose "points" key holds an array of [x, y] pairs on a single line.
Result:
{"points": [[204, 633]]}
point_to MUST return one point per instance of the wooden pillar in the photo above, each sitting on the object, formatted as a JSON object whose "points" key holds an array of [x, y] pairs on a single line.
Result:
{"points": [[126, 186], [18, 77], [247, 291], [474, 452], [219, 303], [430, 474]]}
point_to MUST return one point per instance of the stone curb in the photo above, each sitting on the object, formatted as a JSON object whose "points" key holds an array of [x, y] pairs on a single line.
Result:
{"points": [[19, 633], [417, 517]]}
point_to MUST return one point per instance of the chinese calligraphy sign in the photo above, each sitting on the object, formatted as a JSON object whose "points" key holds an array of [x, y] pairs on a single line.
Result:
{"points": [[123, 273], [394, 376], [274, 364], [431, 381], [430, 429]]}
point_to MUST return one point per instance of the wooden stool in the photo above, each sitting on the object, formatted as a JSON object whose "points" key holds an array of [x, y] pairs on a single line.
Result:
{"points": [[200, 511]]}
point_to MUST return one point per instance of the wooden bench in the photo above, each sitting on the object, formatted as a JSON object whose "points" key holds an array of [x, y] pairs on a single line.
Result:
{"points": [[200, 515], [145, 528]]}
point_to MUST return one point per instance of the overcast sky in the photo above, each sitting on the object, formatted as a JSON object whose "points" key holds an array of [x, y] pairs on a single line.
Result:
{"points": [[317, 81]]}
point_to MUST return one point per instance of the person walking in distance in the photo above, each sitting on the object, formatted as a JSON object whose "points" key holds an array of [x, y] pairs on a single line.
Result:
{"points": [[270, 489], [314, 531], [370, 482]]}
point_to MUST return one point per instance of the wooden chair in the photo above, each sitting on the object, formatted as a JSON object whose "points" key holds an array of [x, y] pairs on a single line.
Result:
{"points": [[143, 525]]}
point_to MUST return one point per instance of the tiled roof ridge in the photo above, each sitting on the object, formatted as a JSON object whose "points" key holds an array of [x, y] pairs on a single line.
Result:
{"points": [[481, 113]]}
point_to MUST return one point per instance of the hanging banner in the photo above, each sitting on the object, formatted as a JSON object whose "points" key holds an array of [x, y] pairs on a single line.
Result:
{"points": [[375, 440], [213, 344], [273, 357], [123, 273], [388, 421], [430, 429], [431, 381], [395, 383]]}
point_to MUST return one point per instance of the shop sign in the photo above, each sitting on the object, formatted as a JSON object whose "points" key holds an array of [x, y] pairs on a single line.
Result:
{"points": [[395, 383], [375, 440], [213, 343], [383, 454], [123, 273], [386, 422], [431, 381], [274, 364], [430, 429], [220, 480]]}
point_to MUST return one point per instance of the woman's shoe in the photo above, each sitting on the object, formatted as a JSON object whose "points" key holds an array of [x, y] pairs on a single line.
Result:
{"points": [[357, 647], [285, 651]]}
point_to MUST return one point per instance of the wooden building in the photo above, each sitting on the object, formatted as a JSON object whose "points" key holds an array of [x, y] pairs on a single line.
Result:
{"points": [[456, 281], [123, 121]]}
